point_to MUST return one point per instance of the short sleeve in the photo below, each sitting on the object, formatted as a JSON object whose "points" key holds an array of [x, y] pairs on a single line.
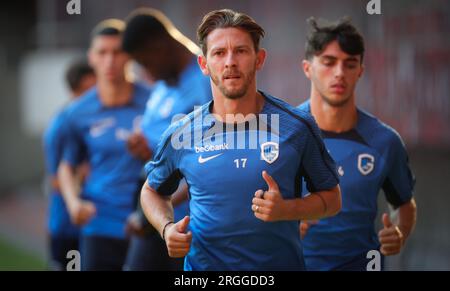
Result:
{"points": [[317, 166], [162, 171], [74, 152], [398, 185]]}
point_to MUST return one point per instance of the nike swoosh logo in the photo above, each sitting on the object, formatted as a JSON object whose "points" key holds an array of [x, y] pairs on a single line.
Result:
{"points": [[204, 160]]}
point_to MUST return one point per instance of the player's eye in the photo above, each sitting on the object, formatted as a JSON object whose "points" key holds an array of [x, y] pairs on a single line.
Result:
{"points": [[328, 61], [351, 65]]}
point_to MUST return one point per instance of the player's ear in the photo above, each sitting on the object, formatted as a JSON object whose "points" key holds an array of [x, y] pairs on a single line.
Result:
{"points": [[202, 63], [260, 58], [361, 71], [307, 68]]}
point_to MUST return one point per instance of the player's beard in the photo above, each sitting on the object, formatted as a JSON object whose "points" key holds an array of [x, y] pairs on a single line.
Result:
{"points": [[237, 92]]}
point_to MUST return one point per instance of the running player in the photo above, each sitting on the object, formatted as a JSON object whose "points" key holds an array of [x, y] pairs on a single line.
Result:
{"points": [[98, 127], [244, 208], [170, 59], [63, 235], [369, 154]]}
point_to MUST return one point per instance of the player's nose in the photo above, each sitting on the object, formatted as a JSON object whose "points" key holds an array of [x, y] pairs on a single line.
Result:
{"points": [[339, 71], [230, 60]]}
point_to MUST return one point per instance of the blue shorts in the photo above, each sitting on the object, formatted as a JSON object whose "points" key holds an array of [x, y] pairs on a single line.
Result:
{"points": [[59, 247], [102, 253]]}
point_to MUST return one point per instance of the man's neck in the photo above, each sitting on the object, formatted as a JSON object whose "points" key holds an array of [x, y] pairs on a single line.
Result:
{"points": [[115, 93], [334, 118], [227, 109]]}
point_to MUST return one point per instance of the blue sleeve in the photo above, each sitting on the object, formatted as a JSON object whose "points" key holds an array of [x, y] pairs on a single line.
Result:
{"points": [[52, 146], [317, 166], [162, 171], [73, 145], [399, 183]]}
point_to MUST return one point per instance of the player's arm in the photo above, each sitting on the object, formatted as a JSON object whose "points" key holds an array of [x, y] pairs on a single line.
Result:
{"points": [[157, 208], [398, 188], [407, 214], [159, 211], [69, 181], [318, 204], [393, 236], [329, 202], [80, 211], [163, 179], [270, 205]]}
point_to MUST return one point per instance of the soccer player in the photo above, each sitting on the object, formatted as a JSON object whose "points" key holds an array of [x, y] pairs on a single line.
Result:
{"points": [[98, 127], [170, 59], [63, 235], [244, 204], [369, 154]]}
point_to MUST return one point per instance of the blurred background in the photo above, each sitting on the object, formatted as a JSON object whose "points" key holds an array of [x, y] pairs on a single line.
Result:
{"points": [[406, 84]]}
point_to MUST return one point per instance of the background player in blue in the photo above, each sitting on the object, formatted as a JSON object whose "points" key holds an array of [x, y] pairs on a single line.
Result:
{"points": [[244, 210], [63, 234], [369, 154], [98, 127], [170, 59]]}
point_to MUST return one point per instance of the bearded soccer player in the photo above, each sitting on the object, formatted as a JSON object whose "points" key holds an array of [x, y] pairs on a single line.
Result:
{"points": [[243, 197]]}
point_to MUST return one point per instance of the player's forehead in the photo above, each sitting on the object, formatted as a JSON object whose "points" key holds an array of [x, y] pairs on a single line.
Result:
{"points": [[333, 50], [221, 38]]}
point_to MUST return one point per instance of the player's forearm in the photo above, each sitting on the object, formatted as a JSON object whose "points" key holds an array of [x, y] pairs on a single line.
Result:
{"points": [[407, 217], [158, 209], [68, 183], [316, 206]]}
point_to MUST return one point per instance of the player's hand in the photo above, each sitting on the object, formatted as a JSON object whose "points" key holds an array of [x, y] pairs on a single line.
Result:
{"points": [[304, 226], [134, 225], [138, 147], [269, 205], [178, 241], [81, 211], [391, 237]]}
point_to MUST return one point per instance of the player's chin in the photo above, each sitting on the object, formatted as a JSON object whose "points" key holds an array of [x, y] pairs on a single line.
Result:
{"points": [[112, 78], [336, 99]]}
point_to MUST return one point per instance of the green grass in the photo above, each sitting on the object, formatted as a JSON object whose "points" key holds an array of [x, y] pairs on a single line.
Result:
{"points": [[16, 259]]}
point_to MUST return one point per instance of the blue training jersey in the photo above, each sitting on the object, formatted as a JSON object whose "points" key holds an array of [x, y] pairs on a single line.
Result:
{"points": [[223, 171], [58, 219], [99, 135], [166, 101], [369, 158]]}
